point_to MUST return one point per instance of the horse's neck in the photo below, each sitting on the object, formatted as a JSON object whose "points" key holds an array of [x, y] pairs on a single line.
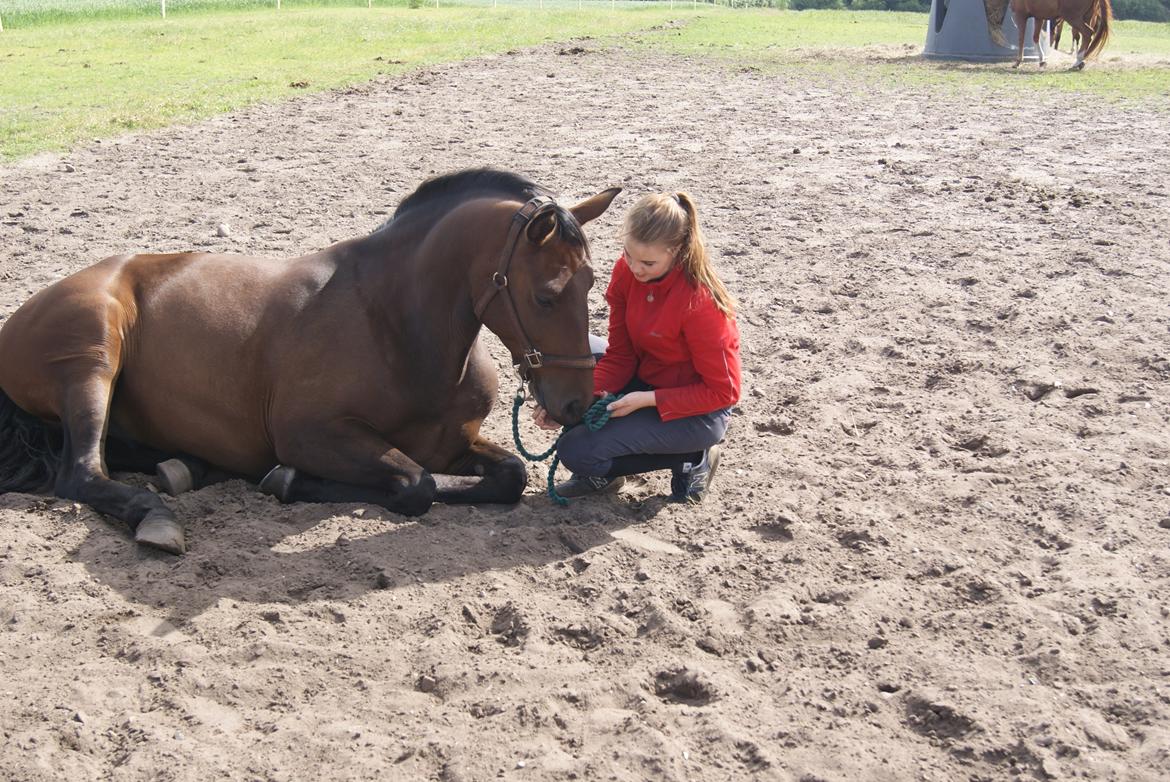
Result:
{"points": [[421, 302]]}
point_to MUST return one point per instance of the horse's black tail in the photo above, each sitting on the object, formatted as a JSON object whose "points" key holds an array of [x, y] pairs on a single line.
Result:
{"points": [[30, 450]]}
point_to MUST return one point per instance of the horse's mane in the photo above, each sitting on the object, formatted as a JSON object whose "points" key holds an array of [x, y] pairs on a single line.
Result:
{"points": [[462, 185]]}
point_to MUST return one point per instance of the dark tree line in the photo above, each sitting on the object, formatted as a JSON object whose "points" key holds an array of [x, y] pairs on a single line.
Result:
{"points": [[1146, 10]]}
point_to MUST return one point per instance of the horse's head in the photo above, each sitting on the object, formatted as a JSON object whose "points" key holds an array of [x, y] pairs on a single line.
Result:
{"points": [[538, 297]]}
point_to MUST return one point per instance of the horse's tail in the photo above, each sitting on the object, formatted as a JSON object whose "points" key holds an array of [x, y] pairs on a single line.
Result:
{"points": [[30, 450], [1103, 14]]}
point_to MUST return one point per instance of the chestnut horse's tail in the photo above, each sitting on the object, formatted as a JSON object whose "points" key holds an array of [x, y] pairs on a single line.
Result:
{"points": [[1100, 16], [30, 450]]}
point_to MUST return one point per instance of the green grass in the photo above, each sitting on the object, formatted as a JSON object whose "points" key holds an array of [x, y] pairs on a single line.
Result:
{"points": [[65, 83], [94, 77], [814, 43]]}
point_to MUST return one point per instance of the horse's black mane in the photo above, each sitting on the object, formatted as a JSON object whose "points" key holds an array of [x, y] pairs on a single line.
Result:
{"points": [[470, 182]]}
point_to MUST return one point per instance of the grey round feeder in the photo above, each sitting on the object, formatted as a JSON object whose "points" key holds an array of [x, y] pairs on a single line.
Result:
{"points": [[981, 30]]}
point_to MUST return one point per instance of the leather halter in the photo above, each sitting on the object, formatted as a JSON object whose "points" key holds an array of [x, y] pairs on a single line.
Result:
{"points": [[532, 358]]}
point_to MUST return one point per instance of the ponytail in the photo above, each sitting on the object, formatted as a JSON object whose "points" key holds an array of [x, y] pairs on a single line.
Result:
{"points": [[696, 262]]}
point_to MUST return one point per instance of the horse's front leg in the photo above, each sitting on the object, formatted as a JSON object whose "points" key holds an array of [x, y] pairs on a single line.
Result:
{"points": [[347, 462], [1021, 20], [486, 473], [1036, 27]]}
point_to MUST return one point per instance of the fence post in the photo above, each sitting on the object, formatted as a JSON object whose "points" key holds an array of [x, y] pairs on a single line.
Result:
{"points": [[164, 8]]}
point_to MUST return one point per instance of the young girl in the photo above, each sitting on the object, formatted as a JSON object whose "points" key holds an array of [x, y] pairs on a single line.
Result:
{"points": [[673, 355]]}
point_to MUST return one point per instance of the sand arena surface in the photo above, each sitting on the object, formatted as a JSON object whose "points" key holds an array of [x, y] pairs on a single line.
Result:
{"points": [[937, 549]]}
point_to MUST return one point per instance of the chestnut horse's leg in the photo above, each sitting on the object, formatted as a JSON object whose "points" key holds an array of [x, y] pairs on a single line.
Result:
{"points": [[346, 462], [1021, 19], [487, 473], [83, 476], [1086, 33], [1036, 26]]}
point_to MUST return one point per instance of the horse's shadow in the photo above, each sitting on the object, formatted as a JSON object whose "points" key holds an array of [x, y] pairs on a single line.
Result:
{"points": [[245, 547]]}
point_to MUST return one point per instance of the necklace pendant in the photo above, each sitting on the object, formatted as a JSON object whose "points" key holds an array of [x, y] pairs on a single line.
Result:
{"points": [[649, 297]]}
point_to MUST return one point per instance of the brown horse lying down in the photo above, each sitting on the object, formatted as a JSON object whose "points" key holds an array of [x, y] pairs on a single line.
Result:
{"points": [[359, 368]]}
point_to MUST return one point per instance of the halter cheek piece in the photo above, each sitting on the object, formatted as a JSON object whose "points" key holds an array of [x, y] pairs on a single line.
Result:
{"points": [[532, 358]]}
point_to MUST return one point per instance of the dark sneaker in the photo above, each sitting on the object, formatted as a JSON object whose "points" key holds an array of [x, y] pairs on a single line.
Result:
{"points": [[690, 484], [583, 486]]}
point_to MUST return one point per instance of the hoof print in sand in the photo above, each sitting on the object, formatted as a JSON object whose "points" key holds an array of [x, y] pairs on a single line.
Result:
{"points": [[776, 425], [509, 626], [937, 720], [580, 636], [679, 685], [777, 527]]}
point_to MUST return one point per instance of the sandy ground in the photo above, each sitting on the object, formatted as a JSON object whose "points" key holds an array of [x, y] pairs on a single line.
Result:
{"points": [[938, 545]]}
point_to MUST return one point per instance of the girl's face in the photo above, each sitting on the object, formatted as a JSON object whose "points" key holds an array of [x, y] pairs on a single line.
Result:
{"points": [[648, 261]]}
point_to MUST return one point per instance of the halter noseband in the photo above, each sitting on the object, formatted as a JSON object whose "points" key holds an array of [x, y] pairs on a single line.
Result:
{"points": [[532, 358]]}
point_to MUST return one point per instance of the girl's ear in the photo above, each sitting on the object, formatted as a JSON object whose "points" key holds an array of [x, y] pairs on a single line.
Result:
{"points": [[593, 207]]}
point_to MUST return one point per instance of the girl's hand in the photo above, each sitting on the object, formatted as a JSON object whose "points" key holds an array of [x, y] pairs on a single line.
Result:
{"points": [[542, 419], [635, 400]]}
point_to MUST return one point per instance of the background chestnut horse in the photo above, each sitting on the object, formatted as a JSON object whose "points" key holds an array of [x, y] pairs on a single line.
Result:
{"points": [[359, 367], [1088, 18]]}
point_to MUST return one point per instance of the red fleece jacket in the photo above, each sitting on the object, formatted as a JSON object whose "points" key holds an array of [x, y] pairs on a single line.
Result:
{"points": [[670, 334]]}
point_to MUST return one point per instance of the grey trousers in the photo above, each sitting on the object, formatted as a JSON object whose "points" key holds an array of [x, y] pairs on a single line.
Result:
{"points": [[641, 432]]}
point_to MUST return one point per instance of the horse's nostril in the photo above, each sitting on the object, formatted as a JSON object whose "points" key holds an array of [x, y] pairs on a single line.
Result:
{"points": [[574, 410]]}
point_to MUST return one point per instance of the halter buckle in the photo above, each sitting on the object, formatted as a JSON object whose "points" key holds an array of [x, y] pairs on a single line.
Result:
{"points": [[533, 359]]}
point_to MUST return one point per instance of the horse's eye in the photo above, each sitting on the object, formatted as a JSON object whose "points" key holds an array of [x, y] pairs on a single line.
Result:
{"points": [[545, 302]]}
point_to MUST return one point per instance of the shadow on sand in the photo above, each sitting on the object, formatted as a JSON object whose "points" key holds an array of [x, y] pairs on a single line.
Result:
{"points": [[244, 546]]}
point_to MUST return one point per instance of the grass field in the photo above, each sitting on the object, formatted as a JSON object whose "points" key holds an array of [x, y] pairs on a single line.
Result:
{"points": [[65, 83], [95, 76]]}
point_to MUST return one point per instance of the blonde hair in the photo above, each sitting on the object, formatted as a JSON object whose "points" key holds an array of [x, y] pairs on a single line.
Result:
{"points": [[671, 220]]}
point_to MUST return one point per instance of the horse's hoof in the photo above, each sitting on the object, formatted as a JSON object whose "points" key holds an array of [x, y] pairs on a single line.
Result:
{"points": [[160, 530], [278, 482], [1080, 66], [174, 477]]}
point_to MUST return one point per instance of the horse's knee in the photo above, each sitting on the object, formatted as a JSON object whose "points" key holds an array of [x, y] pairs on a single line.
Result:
{"points": [[416, 495]]}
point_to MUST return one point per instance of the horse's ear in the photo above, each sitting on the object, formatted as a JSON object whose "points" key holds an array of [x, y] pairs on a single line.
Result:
{"points": [[593, 207], [542, 228]]}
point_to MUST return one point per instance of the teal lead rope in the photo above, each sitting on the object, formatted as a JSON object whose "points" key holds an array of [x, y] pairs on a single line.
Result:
{"points": [[595, 417]]}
